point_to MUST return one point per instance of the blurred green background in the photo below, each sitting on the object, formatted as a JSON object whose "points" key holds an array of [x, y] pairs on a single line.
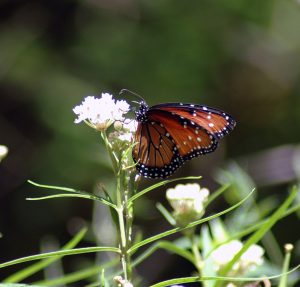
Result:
{"points": [[242, 56]]}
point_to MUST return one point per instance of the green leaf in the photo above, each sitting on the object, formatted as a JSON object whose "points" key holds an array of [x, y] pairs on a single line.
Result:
{"points": [[67, 189], [216, 194], [261, 231], [254, 227], [26, 272], [102, 278], [207, 244], [218, 231], [183, 280], [71, 193], [79, 275], [167, 245], [60, 253], [190, 225], [144, 191], [166, 214]]}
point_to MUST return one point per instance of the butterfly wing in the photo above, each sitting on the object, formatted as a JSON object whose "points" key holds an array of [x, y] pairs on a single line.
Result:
{"points": [[213, 120], [155, 152], [190, 139], [174, 133]]}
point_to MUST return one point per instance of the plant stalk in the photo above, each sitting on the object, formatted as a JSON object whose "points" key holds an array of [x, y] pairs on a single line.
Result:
{"points": [[123, 227], [124, 207], [198, 262]]}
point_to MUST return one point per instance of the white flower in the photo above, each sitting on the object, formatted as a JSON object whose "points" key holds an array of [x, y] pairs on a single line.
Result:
{"points": [[187, 196], [124, 130], [122, 138], [224, 254], [101, 112], [187, 201], [3, 151], [248, 261], [252, 257], [130, 125]]}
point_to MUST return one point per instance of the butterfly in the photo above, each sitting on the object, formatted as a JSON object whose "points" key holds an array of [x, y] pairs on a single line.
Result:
{"points": [[170, 134]]}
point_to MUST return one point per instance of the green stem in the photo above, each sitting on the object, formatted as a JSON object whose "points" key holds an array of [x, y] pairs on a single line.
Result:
{"points": [[122, 228], [128, 210], [111, 153], [124, 208], [198, 262]]}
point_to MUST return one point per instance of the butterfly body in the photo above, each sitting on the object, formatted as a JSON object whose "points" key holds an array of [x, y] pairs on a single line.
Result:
{"points": [[170, 134]]}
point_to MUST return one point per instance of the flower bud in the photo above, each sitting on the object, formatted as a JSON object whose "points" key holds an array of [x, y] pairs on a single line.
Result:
{"points": [[187, 201], [118, 125]]}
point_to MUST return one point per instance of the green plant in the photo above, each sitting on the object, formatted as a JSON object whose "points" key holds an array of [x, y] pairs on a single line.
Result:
{"points": [[221, 255]]}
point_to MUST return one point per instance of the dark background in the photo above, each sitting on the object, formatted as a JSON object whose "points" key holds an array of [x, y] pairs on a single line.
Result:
{"points": [[237, 55]]}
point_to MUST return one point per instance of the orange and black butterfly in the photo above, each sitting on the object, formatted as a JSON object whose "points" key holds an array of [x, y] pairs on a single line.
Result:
{"points": [[169, 134]]}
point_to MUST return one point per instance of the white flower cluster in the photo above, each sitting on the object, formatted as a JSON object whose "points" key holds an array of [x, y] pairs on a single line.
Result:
{"points": [[252, 258], [125, 130], [3, 151], [101, 112], [187, 201]]}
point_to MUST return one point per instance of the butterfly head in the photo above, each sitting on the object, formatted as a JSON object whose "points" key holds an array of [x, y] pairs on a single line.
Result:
{"points": [[141, 113]]}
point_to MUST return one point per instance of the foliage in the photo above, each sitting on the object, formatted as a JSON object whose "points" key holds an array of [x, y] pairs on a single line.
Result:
{"points": [[219, 254]]}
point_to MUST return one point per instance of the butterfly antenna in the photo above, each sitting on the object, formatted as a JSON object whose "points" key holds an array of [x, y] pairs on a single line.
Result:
{"points": [[133, 93]]}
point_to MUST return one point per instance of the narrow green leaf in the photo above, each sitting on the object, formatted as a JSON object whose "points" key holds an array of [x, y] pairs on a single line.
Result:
{"points": [[216, 194], [207, 244], [168, 246], [254, 227], [78, 275], [260, 232], [85, 196], [166, 214], [218, 279], [53, 186], [102, 278], [144, 191], [71, 190], [26, 272], [60, 253], [192, 224]]}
